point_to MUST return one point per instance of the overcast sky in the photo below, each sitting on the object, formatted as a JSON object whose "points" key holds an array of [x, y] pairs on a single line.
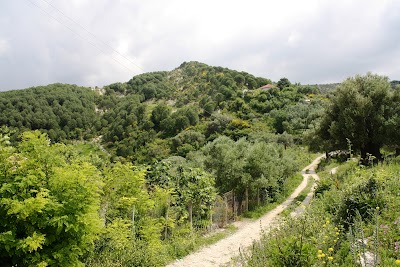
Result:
{"points": [[99, 42]]}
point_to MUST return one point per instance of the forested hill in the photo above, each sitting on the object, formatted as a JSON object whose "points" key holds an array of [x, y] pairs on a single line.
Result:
{"points": [[157, 114], [62, 111]]}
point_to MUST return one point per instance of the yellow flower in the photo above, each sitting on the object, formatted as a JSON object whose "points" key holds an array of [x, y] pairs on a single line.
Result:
{"points": [[397, 262], [337, 233], [377, 208], [327, 221], [319, 251], [335, 240], [330, 258], [330, 249], [336, 229]]}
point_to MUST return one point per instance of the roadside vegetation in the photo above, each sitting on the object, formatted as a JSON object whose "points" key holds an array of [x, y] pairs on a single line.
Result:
{"points": [[354, 218]]}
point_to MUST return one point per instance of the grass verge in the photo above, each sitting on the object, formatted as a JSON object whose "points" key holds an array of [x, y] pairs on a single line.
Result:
{"points": [[300, 198], [291, 184], [212, 238]]}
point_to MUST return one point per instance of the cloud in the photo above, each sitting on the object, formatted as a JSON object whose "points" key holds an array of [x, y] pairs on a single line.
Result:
{"points": [[307, 41], [4, 47]]}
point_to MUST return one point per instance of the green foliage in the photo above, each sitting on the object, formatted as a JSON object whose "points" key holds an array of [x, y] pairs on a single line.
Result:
{"points": [[62, 111], [360, 199], [296, 118], [358, 215], [117, 247], [192, 188], [359, 112], [150, 85], [260, 169], [48, 204], [187, 141], [283, 83], [159, 113]]}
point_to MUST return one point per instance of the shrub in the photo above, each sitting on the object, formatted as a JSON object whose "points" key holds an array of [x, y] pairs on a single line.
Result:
{"points": [[363, 199]]}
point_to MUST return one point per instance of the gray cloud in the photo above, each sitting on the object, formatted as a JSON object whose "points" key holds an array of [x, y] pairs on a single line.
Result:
{"points": [[307, 41]]}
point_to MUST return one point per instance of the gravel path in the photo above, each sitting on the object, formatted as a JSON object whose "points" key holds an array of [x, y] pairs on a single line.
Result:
{"points": [[249, 231]]}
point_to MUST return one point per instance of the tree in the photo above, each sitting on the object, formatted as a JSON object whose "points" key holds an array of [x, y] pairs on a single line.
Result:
{"points": [[358, 113], [159, 113], [239, 79], [283, 82], [193, 188], [208, 108], [227, 158], [48, 204], [392, 125]]}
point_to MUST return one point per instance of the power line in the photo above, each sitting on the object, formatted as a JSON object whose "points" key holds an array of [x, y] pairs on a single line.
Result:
{"points": [[106, 44], [82, 37]]}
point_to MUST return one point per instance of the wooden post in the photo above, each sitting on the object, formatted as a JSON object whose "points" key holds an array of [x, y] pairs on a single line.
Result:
{"points": [[190, 209], [234, 205], [211, 218], [226, 211], [246, 205], [133, 222], [166, 221]]}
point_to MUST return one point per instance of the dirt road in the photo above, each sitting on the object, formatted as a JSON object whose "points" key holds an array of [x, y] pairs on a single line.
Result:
{"points": [[223, 251]]}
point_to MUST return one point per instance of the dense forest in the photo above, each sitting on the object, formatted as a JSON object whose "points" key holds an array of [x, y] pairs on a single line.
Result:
{"points": [[134, 174]]}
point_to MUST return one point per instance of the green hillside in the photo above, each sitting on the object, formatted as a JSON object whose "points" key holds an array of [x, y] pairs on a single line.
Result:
{"points": [[137, 173], [143, 118]]}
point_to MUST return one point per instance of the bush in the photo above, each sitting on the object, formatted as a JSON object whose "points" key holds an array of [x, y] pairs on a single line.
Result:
{"points": [[363, 199], [322, 186]]}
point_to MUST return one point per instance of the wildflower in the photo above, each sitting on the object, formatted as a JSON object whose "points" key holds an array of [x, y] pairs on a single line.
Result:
{"points": [[335, 240], [319, 251], [337, 233], [320, 256], [330, 258], [327, 221], [396, 246], [330, 249], [397, 262], [384, 226], [377, 208]]}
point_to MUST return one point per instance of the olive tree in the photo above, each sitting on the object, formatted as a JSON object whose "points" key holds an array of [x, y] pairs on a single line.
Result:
{"points": [[358, 115]]}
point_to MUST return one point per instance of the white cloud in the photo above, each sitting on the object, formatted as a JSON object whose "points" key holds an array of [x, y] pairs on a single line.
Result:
{"points": [[306, 41], [4, 47]]}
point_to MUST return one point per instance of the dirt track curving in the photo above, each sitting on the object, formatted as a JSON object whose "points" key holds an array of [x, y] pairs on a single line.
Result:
{"points": [[223, 251]]}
